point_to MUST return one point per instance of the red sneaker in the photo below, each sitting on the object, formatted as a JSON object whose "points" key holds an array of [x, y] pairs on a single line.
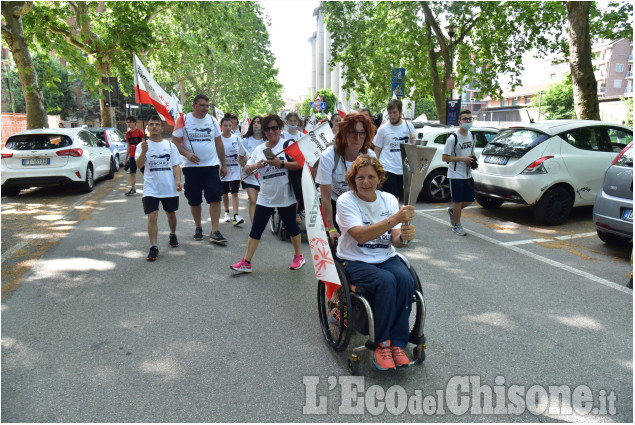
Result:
{"points": [[382, 357], [399, 357]]}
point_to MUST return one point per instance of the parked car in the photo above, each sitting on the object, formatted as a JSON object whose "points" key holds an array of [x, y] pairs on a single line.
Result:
{"points": [[613, 208], [114, 140], [54, 156], [436, 187], [551, 165]]}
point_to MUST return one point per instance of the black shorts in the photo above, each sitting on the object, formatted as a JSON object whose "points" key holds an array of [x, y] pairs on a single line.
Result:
{"points": [[132, 163], [393, 185], [231, 186], [462, 190], [151, 204], [201, 181], [250, 186]]}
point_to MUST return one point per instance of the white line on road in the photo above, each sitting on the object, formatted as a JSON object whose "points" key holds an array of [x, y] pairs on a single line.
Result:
{"points": [[546, 260], [559, 238]]}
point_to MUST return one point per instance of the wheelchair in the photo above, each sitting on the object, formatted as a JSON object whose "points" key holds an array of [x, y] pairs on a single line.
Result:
{"points": [[350, 309], [280, 230]]}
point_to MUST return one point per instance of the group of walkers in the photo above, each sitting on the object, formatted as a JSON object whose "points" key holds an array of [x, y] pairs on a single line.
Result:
{"points": [[365, 223]]}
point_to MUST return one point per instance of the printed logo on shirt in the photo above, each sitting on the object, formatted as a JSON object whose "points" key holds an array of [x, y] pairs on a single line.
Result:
{"points": [[382, 242], [200, 135], [165, 156], [466, 145], [159, 163]]}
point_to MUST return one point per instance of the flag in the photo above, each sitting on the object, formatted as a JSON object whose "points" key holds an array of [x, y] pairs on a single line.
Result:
{"points": [[147, 91], [311, 124], [309, 147], [219, 114], [340, 109], [323, 263], [177, 109], [244, 124]]}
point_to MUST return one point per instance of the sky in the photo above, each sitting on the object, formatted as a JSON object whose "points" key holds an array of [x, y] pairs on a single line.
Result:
{"points": [[292, 24]]}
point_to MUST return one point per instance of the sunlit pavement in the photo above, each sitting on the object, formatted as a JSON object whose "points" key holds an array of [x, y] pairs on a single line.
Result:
{"points": [[92, 332]]}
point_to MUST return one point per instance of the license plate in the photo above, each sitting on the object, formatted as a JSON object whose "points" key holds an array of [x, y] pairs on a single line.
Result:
{"points": [[36, 161], [627, 214], [498, 160]]}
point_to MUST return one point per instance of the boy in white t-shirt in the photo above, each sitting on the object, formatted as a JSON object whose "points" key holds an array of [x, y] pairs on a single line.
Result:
{"points": [[161, 182], [231, 182]]}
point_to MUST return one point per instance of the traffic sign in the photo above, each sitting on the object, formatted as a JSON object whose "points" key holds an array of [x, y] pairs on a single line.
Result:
{"points": [[318, 98], [398, 89], [398, 75], [322, 105], [312, 105]]}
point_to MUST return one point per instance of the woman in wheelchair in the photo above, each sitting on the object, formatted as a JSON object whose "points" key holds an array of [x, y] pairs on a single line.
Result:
{"points": [[372, 225]]}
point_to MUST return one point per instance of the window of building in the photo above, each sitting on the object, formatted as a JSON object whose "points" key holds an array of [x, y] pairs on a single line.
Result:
{"points": [[552, 76], [619, 67], [502, 102], [617, 84], [514, 102]]}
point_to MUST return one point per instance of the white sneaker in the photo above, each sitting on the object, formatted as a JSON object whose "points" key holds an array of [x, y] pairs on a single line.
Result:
{"points": [[238, 220], [227, 218], [458, 229]]}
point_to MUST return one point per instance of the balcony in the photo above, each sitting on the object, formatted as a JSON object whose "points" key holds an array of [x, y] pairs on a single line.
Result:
{"points": [[602, 90], [629, 74], [628, 89], [630, 57]]}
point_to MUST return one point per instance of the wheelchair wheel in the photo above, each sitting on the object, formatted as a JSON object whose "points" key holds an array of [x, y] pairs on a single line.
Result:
{"points": [[417, 320], [275, 222], [334, 312]]}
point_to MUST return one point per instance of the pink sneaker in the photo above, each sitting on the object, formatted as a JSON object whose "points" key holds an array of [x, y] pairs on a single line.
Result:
{"points": [[241, 266], [298, 261]]}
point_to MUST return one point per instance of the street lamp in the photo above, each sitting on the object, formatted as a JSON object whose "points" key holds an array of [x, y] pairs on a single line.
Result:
{"points": [[451, 30]]}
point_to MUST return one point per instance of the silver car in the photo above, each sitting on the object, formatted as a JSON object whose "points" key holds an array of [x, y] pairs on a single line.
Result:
{"points": [[613, 208]]}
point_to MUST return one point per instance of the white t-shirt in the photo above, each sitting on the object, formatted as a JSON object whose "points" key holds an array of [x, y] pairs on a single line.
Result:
{"points": [[275, 190], [388, 138], [201, 134], [250, 144], [337, 178], [158, 177], [464, 147], [352, 212], [231, 158], [286, 135]]}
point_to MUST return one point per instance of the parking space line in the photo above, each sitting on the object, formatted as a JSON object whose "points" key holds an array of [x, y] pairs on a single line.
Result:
{"points": [[557, 238], [546, 260], [444, 209]]}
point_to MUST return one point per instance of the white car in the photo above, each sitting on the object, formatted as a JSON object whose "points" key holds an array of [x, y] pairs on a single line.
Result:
{"points": [[436, 187], [52, 157], [552, 165]]}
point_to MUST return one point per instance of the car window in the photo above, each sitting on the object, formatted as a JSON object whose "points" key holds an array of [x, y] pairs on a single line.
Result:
{"points": [[116, 136], [99, 134], [515, 142], [483, 138], [26, 142], [86, 138], [619, 138], [440, 140], [588, 139]]}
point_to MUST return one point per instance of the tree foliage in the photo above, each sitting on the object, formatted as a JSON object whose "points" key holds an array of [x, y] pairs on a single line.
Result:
{"points": [[371, 38], [557, 101]]}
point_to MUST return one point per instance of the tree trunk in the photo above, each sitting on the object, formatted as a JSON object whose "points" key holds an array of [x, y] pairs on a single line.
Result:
{"points": [[182, 93], [585, 90], [101, 65], [438, 85], [13, 33]]}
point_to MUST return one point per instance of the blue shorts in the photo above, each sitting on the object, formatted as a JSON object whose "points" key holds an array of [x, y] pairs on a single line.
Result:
{"points": [[462, 190], [201, 181]]}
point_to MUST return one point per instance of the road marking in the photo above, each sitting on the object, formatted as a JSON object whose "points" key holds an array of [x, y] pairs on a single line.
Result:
{"points": [[546, 260], [445, 209], [9, 252], [559, 238]]}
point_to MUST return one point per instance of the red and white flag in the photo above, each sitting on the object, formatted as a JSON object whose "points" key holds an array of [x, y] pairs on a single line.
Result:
{"points": [[147, 91], [311, 124], [309, 147], [340, 109], [323, 263], [244, 124]]}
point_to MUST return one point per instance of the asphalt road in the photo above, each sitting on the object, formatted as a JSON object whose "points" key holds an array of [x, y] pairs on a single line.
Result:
{"points": [[93, 332]]}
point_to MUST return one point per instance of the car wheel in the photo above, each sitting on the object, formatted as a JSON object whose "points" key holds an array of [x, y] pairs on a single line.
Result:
{"points": [[488, 202], [11, 191], [89, 181], [111, 173], [613, 239], [117, 163], [554, 207], [436, 187]]}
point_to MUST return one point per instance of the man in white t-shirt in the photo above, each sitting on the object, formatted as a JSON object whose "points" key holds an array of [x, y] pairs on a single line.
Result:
{"points": [[197, 137], [387, 148], [161, 182], [459, 154]]}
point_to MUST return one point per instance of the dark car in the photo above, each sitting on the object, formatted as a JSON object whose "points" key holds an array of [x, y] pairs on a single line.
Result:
{"points": [[115, 141], [613, 208]]}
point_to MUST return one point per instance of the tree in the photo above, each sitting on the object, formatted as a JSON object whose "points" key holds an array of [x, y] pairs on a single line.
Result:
{"points": [[557, 101], [327, 96], [13, 33], [629, 110], [56, 87], [426, 106], [96, 39]]}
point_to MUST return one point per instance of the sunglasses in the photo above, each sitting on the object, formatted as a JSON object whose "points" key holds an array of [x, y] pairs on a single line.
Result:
{"points": [[272, 128], [360, 134]]}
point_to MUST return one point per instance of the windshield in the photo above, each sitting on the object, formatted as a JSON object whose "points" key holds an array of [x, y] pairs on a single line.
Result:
{"points": [[26, 142], [99, 134], [514, 142]]}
